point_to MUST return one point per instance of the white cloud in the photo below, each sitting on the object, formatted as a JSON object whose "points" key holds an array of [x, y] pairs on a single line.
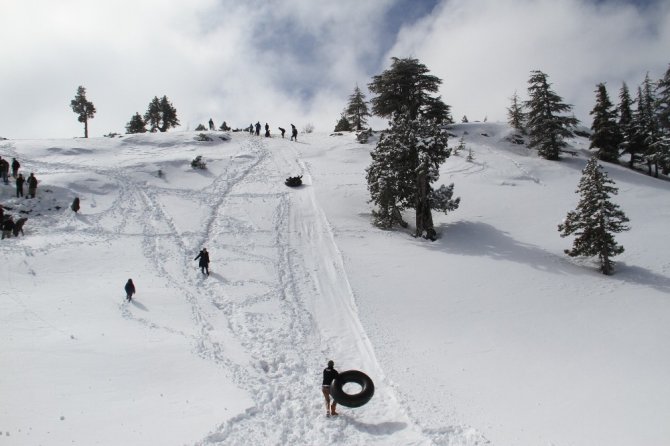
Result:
{"points": [[283, 61], [485, 49], [298, 60]]}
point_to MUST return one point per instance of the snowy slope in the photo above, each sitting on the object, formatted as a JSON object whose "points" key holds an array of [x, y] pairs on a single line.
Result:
{"points": [[490, 334]]}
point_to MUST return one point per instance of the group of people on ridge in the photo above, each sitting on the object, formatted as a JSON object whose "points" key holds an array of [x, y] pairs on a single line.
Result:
{"points": [[257, 130], [8, 225]]}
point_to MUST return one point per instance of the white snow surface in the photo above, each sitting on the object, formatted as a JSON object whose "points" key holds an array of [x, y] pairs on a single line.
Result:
{"points": [[489, 335]]}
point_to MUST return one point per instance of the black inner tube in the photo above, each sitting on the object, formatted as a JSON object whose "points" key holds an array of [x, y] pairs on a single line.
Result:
{"points": [[355, 399]]}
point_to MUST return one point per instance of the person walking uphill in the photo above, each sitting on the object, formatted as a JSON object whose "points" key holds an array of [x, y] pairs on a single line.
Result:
{"points": [[329, 374], [15, 167], [130, 290], [19, 185], [32, 185], [204, 261], [294, 133]]}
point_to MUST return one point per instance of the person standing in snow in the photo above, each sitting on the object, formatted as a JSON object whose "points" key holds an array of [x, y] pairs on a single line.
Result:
{"points": [[19, 185], [204, 261], [4, 170], [267, 130], [130, 290], [15, 167], [282, 132], [32, 185], [294, 133], [329, 374], [258, 128]]}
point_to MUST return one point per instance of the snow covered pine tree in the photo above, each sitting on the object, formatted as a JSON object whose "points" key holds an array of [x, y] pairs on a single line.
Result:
{"points": [[596, 218]]}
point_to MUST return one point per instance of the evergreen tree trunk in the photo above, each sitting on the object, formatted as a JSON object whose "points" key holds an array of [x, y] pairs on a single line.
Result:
{"points": [[424, 217], [605, 263], [85, 128]]}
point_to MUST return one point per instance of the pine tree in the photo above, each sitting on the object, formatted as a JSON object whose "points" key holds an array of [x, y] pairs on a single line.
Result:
{"points": [[405, 164], [357, 110], [663, 117], [595, 219], [436, 110], [515, 116], [406, 86], [629, 141], [646, 125], [161, 115], [606, 137], [136, 124], [546, 129], [663, 101], [343, 124], [84, 109]]}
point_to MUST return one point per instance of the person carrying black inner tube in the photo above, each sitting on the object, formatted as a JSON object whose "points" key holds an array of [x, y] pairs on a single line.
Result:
{"points": [[329, 374]]}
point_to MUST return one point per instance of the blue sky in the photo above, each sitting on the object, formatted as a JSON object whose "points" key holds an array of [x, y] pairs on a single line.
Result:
{"points": [[297, 61]]}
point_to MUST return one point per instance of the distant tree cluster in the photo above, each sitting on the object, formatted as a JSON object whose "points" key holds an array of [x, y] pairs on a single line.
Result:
{"points": [[637, 127], [160, 114], [355, 115], [407, 158]]}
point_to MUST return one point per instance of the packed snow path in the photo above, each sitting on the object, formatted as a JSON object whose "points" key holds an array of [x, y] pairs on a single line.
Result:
{"points": [[278, 286]]}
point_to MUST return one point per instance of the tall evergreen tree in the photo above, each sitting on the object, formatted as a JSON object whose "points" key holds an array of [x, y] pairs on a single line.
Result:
{"points": [[606, 137], [357, 110], [405, 164], [161, 115], [595, 219], [663, 101], [663, 116], [84, 109], [646, 124], [629, 139], [515, 116], [136, 124], [405, 85], [547, 129]]}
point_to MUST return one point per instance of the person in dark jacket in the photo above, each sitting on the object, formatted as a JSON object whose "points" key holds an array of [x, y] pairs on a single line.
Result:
{"points": [[294, 133], [282, 132], [32, 185], [7, 227], [329, 374], [204, 261], [211, 124], [4, 170], [130, 290], [267, 130], [258, 128], [19, 185], [15, 167]]}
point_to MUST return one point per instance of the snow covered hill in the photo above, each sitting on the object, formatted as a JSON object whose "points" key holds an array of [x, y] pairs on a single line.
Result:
{"points": [[490, 335]]}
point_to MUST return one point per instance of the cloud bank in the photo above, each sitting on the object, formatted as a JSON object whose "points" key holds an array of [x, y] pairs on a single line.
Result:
{"points": [[297, 61], [484, 50]]}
